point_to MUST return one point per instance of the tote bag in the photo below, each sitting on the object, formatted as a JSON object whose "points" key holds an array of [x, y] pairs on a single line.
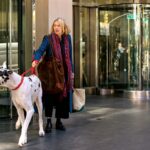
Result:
{"points": [[78, 99]]}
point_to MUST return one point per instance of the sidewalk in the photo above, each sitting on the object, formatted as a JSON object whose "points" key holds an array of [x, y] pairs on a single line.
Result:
{"points": [[107, 123]]}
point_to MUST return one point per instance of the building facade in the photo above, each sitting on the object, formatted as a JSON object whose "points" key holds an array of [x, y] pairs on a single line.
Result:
{"points": [[113, 52], [111, 48], [23, 24]]}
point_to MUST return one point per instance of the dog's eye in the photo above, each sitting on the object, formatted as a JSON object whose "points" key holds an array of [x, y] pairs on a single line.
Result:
{"points": [[5, 73], [9, 72]]}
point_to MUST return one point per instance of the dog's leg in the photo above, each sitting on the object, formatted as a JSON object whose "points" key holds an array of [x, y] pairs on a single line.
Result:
{"points": [[18, 123], [23, 137], [20, 119], [40, 109]]}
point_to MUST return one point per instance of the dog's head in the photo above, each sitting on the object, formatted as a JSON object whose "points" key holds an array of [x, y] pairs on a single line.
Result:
{"points": [[4, 74]]}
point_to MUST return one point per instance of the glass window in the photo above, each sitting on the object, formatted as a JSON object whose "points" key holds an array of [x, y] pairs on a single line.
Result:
{"points": [[81, 47], [8, 46], [124, 46], [85, 46], [9, 33]]}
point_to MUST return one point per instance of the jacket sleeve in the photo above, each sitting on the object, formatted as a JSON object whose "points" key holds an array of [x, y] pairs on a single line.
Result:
{"points": [[40, 51], [70, 48]]}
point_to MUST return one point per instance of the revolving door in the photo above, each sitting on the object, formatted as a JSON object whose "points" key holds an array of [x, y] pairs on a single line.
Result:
{"points": [[124, 50]]}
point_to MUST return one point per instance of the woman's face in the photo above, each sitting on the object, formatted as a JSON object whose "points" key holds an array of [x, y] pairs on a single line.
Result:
{"points": [[58, 28]]}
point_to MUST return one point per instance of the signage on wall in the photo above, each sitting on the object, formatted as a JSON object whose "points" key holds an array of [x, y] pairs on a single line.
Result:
{"points": [[131, 16]]}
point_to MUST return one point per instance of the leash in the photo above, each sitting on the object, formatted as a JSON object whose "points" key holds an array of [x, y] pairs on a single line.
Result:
{"points": [[32, 70]]}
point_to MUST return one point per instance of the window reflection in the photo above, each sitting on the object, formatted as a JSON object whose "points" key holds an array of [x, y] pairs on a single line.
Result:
{"points": [[124, 46], [84, 46], [9, 33], [8, 48]]}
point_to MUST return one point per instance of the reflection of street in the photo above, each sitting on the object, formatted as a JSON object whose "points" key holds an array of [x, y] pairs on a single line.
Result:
{"points": [[134, 71], [121, 64], [117, 55], [129, 62], [84, 74]]}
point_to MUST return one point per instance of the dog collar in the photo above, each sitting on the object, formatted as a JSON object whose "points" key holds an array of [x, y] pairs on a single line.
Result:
{"points": [[19, 83]]}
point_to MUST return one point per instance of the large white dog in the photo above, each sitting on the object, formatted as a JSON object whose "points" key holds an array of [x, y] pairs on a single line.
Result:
{"points": [[24, 91]]}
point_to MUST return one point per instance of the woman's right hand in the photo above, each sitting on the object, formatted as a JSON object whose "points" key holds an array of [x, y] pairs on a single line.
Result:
{"points": [[35, 63]]}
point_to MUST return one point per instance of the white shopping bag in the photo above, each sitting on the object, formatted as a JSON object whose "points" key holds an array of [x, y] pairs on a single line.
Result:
{"points": [[78, 99]]}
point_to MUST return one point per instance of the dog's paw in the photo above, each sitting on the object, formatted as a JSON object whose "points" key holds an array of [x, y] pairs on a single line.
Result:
{"points": [[41, 133], [22, 140]]}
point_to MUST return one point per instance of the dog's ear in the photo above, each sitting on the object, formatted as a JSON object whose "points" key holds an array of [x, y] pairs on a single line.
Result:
{"points": [[4, 65]]}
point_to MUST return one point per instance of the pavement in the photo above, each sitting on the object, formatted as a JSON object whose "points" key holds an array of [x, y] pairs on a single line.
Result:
{"points": [[106, 123]]}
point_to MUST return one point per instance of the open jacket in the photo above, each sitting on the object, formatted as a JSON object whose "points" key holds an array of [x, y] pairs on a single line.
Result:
{"points": [[45, 48]]}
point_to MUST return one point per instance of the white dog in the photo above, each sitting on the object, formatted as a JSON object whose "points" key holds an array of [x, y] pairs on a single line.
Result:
{"points": [[24, 91]]}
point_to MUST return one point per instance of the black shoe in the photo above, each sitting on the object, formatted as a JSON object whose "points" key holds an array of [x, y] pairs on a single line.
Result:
{"points": [[60, 126], [48, 127]]}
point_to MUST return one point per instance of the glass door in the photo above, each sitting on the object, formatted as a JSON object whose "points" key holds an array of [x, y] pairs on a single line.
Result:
{"points": [[85, 45], [8, 47], [81, 45], [124, 46]]}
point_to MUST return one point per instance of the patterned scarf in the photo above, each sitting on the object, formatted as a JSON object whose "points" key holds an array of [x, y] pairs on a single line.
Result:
{"points": [[63, 55]]}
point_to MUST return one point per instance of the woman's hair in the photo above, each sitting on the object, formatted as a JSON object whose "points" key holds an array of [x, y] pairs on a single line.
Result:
{"points": [[65, 28]]}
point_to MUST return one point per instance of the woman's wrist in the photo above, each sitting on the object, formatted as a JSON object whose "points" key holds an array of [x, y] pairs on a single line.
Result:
{"points": [[35, 63]]}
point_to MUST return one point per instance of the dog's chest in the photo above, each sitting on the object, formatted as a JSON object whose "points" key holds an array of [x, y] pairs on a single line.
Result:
{"points": [[30, 87]]}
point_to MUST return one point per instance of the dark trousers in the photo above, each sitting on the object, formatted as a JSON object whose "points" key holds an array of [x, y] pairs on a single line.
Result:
{"points": [[61, 106]]}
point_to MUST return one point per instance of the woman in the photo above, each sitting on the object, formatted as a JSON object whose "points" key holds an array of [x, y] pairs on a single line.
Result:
{"points": [[58, 43]]}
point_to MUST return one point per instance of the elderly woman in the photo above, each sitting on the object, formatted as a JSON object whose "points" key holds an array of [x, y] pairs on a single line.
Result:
{"points": [[57, 43]]}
